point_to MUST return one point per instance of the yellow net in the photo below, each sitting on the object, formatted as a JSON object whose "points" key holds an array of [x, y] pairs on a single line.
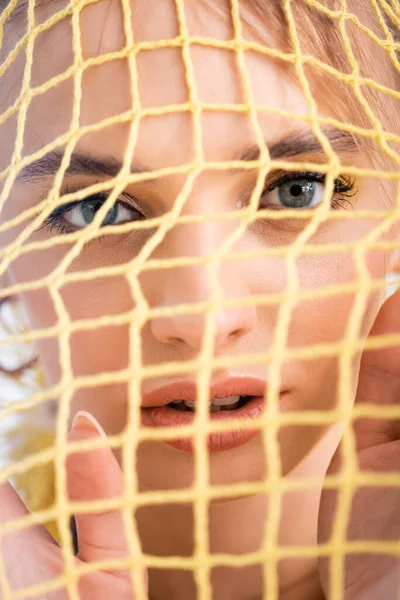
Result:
{"points": [[197, 117]]}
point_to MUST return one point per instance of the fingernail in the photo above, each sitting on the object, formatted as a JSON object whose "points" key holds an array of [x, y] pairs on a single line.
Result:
{"points": [[84, 420]]}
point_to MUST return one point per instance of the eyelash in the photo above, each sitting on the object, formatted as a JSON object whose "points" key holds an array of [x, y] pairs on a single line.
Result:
{"points": [[344, 188]]}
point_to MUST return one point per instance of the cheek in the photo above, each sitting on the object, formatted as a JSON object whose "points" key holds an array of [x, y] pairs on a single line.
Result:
{"points": [[335, 291], [325, 309], [94, 347], [108, 403]]}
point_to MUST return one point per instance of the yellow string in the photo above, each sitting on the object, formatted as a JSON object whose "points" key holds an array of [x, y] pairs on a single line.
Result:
{"points": [[38, 467]]}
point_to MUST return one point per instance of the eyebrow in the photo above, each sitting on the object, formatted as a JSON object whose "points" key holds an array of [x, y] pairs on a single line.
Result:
{"points": [[304, 142], [299, 143], [80, 164]]}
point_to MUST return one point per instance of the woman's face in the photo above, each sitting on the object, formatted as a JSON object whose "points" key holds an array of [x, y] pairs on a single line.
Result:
{"points": [[143, 276]]}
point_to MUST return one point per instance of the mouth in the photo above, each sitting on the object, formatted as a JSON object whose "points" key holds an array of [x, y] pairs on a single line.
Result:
{"points": [[176, 405], [215, 405]]}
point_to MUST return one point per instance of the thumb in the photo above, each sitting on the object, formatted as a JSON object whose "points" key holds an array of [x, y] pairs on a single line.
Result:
{"points": [[94, 475], [379, 379]]}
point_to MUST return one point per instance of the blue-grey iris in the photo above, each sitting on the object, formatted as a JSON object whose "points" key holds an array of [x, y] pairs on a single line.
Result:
{"points": [[89, 209], [297, 193]]}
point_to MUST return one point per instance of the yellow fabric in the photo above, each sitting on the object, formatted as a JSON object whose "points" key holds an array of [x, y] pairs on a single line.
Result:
{"points": [[47, 457], [37, 484]]}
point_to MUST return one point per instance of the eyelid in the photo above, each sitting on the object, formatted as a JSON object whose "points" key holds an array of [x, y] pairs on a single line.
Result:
{"points": [[124, 198], [276, 178], [280, 177]]}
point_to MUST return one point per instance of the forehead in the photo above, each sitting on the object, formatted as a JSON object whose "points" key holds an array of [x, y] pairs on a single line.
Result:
{"points": [[161, 78]]}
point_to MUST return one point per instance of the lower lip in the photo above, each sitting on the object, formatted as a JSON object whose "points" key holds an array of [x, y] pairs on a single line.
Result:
{"points": [[165, 416]]}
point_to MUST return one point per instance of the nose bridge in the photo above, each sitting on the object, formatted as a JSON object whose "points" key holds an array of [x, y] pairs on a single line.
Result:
{"points": [[192, 284], [198, 242], [199, 239]]}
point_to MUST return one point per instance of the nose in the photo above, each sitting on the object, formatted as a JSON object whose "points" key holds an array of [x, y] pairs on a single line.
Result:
{"points": [[192, 286]]}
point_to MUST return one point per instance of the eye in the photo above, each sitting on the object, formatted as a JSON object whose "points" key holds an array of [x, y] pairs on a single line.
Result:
{"points": [[77, 215], [294, 193], [82, 214]]}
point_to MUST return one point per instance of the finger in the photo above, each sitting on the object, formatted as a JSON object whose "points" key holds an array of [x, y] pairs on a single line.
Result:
{"points": [[20, 548], [12, 508], [96, 475], [379, 380]]}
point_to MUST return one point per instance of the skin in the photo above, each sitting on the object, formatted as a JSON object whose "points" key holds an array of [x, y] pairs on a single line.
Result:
{"points": [[169, 141]]}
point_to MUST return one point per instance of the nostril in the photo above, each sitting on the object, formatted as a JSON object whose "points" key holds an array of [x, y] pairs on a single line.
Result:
{"points": [[237, 333]]}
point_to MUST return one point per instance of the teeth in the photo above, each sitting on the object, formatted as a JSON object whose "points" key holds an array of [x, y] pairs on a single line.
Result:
{"points": [[192, 403], [226, 401]]}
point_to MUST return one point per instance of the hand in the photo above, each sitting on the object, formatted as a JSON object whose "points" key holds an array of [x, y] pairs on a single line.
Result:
{"points": [[31, 557], [375, 509]]}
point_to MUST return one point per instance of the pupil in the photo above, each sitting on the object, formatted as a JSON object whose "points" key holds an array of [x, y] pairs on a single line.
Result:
{"points": [[296, 190]]}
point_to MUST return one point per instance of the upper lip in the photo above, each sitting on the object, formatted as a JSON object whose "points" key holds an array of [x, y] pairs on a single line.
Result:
{"points": [[234, 386]]}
